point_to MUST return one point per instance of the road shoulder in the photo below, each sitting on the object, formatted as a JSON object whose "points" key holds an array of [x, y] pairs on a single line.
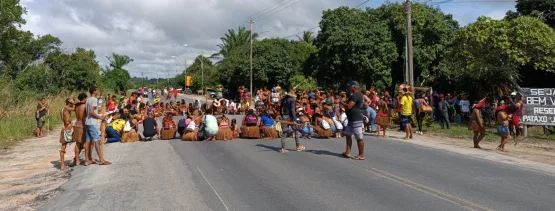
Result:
{"points": [[29, 172], [521, 155]]}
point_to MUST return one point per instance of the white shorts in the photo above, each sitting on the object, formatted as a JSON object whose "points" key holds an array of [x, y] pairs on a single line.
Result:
{"points": [[354, 128]]}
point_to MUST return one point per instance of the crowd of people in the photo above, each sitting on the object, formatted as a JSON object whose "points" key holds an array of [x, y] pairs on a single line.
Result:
{"points": [[275, 114]]}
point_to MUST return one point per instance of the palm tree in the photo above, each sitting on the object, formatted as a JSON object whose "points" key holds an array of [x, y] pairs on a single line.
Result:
{"points": [[308, 37], [234, 39], [118, 61]]}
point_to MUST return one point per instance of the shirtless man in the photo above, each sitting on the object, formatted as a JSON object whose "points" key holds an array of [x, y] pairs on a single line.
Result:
{"points": [[502, 120], [78, 127], [67, 130]]}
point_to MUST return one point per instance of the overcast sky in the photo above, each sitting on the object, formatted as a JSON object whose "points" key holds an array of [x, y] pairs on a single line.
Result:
{"points": [[152, 31]]}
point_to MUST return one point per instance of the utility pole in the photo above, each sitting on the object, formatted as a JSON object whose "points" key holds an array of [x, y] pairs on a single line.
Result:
{"points": [[202, 76], [409, 44], [251, 21], [143, 76], [406, 59]]}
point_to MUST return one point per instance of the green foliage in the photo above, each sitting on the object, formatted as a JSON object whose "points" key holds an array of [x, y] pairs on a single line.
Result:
{"points": [[210, 77], [354, 45], [432, 36], [303, 83], [275, 61], [233, 40], [486, 54], [307, 37], [115, 77], [544, 10]]}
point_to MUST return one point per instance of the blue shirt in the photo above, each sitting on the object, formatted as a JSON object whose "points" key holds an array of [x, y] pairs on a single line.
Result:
{"points": [[266, 120], [311, 95]]}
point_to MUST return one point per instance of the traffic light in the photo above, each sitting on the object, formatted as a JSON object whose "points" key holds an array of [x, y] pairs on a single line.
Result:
{"points": [[188, 80]]}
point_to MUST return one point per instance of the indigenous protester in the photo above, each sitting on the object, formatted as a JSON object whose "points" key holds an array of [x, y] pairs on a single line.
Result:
{"points": [[79, 135], [91, 128], [250, 125], [182, 125], [169, 128], [420, 103], [304, 121], [382, 119], [150, 128], [114, 130], [112, 103], [209, 126], [224, 131], [234, 128], [267, 126], [406, 112], [66, 134], [288, 123], [40, 116], [355, 123], [476, 124], [502, 119]]}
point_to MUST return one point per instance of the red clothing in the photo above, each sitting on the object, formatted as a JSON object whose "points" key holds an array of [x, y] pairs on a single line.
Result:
{"points": [[111, 105], [175, 92], [308, 110]]}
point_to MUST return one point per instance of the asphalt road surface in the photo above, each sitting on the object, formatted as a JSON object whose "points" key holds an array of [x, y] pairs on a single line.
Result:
{"points": [[252, 175]]}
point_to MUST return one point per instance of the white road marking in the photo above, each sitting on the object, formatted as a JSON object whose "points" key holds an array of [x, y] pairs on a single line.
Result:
{"points": [[226, 208]]}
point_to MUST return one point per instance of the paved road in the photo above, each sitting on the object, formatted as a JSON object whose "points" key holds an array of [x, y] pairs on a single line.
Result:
{"points": [[252, 175]]}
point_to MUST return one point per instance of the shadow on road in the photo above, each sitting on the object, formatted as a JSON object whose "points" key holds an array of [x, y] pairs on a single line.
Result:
{"points": [[270, 148], [324, 152], [316, 152]]}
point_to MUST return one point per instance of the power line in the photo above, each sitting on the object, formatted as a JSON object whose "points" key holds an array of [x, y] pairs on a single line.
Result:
{"points": [[302, 32], [363, 3], [278, 7], [267, 8], [279, 10]]}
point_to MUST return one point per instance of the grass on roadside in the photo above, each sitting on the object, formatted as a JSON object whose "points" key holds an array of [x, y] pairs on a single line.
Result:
{"points": [[461, 131], [21, 123]]}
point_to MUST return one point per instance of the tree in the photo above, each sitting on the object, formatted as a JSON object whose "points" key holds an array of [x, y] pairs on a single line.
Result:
{"points": [[210, 78], [117, 77], [303, 83], [233, 39], [118, 61], [487, 54], [354, 45], [433, 33], [307, 37], [275, 61], [543, 10]]}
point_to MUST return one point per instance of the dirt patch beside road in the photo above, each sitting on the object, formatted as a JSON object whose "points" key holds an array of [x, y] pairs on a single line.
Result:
{"points": [[29, 172]]}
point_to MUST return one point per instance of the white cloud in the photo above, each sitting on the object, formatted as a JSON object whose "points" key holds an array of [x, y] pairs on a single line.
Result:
{"points": [[151, 31]]}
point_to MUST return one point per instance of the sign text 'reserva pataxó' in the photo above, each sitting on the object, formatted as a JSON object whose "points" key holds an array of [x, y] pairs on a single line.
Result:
{"points": [[539, 107]]}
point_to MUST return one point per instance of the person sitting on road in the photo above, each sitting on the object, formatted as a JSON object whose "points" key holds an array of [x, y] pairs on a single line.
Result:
{"points": [[250, 119], [169, 127], [210, 125], [250, 126], [182, 125], [224, 132], [150, 127], [114, 129], [267, 126], [304, 121]]}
